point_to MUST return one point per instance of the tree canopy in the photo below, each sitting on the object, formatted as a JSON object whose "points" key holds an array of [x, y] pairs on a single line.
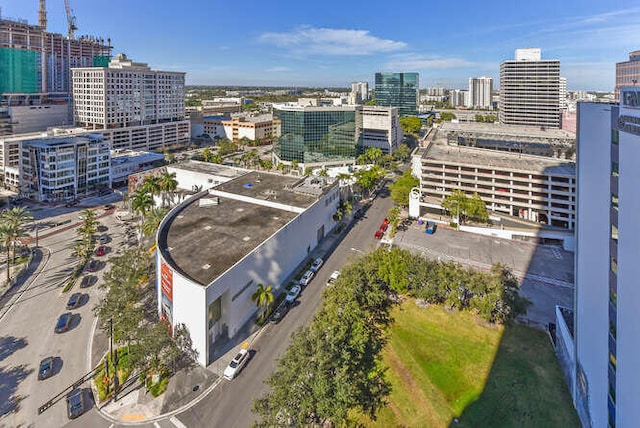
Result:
{"points": [[410, 124], [402, 186], [462, 207]]}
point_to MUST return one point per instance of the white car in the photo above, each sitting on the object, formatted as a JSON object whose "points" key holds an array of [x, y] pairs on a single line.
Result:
{"points": [[306, 278], [293, 294], [236, 364], [335, 275], [316, 264]]}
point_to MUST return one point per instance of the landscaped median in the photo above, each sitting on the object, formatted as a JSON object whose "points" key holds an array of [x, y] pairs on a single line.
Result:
{"points": [[451, 368]]}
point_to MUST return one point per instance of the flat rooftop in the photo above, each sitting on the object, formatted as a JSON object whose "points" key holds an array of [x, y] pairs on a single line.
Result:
{"points": [[487, 158], [516, 131], [209, 168], [213, 233]]}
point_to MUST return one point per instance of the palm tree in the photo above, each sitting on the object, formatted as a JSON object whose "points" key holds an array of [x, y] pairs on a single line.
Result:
{"points": [[168, 185], [7, 234], [87, 230], [151, 185], [263, 297], [141, 203], [15, 219], [153, 220]]}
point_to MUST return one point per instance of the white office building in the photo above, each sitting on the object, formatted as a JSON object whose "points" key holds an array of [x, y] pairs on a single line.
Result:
{"points": [[58, 168], [530, 90], [480, 89], [458, 97], [381, 128], [604, 377], [133, 106], [359, 93]]}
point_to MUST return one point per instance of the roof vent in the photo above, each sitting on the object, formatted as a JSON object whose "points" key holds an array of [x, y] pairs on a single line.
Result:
{"points": [[246, 239], [207, 266]]}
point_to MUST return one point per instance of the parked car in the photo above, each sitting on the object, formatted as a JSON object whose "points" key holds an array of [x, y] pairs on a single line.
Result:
{"points": [[316, 264], [306, 278], [431, 228], [279, 313], [103, 240], [71, 204], [87, 281], [379, 234], [101, 251], [92, 266], [75, 403], [293, 294], [236, 365], [63, 323], [74, 301], [46, 368], [109, 207], [384, 226], [335, 275]]}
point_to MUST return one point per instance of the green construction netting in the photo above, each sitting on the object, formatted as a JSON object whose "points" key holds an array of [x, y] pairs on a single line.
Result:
{"points": [[101, 61], [19, 71]]}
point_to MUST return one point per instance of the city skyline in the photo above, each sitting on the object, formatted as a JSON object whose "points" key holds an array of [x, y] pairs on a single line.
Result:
{"points": [[333, 44]]}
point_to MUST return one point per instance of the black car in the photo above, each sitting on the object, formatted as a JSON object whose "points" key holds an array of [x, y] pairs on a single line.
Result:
{"points": [[63, 323], [109, 207], [75, 404], [92, 266], [87, 281], [71, 204], [46, 368], [279, 313], [74, 300]]}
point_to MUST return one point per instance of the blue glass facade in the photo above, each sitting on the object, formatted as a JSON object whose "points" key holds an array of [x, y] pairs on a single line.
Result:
{"points": [[316, 134], [398, 90]]}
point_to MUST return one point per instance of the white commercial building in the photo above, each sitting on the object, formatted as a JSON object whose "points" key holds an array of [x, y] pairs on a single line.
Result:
{"points": [[127, 162], [605, 379], [480, 89], [458, 97], [133, 106], [381, 128], [530, 90], [215, 248], [58, 168]]}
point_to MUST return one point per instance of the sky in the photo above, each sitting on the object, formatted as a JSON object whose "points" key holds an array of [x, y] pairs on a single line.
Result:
{"points": [[332, 43]]}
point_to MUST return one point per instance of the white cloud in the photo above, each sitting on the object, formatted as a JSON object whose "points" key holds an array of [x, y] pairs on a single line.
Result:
{"points": [[277, 69], [422, 62], [331, 41]]}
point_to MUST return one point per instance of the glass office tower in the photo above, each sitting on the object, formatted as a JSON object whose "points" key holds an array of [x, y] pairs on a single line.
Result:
{"points": [[398, 90], [317, 134]]}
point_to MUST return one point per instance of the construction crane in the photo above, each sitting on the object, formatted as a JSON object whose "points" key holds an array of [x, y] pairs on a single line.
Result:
{"points": [[42, 15], [71, 20]]}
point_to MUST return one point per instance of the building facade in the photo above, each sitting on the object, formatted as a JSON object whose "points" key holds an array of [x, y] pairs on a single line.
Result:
{"points": [[400, 90], [59, 168], [33, 60], [359, 93], [26, 113], [627, 73], [138, 108], [530, 90], [316, 135], [254, 229], [254, 128], [480, 90], [564, 106], [605, 380], [381, 128], [458, 97], [533, 188]]}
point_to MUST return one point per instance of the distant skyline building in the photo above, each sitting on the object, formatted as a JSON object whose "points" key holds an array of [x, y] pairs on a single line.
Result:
{"points": [[399, 90], [133, 106], [604, 377], [359, 92], [458, 97], [530, 90], [627, 73], [563, 94], [480, 90]]}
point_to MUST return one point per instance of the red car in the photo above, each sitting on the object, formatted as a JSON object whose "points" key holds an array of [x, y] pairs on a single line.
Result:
{"points": [[379, 234], [101, 250]]}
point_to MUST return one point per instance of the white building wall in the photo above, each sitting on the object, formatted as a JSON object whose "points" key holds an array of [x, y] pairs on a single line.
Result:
{"points": [[628, 323], [592, 261]]}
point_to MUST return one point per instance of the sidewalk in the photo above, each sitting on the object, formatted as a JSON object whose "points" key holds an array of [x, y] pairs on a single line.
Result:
{"points": [[188, 387]]}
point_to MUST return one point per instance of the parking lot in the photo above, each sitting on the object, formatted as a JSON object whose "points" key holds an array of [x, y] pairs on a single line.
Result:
{"points": [[546, 272]]}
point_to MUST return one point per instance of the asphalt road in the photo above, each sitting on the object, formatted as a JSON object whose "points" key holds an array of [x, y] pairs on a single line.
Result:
{"points": [[27, 336]]}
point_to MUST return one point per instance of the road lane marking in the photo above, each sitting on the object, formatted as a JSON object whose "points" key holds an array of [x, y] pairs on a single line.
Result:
{"points": [[175, 421]]}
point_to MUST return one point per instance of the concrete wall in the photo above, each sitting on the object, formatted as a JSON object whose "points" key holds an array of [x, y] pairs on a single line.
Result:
{"points": [[592, 261], [38, 118]]}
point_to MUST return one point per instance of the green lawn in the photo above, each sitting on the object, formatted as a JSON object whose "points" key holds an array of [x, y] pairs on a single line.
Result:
{"points": [[446, 365]]}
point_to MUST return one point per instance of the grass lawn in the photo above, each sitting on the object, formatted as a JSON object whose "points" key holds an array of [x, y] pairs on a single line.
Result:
{"points": [[447, 365]]}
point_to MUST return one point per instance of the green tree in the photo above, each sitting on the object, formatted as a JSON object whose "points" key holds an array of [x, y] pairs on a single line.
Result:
{"points": [[446, 116], [402, 153], [7, 234], [477, 209], [402, 186], [263, 297], [367, 179], [207, 154], [168, 185], [16, 219], [410, 124], [152, 221], [370, 103], [294, 165], [456, 204], [141, 203], [86, 231], [394, 219]]}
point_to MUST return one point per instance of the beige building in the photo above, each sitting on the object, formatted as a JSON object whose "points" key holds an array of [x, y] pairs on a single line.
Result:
{"points": [[533, 188], [627, 73], [255, 128]]}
